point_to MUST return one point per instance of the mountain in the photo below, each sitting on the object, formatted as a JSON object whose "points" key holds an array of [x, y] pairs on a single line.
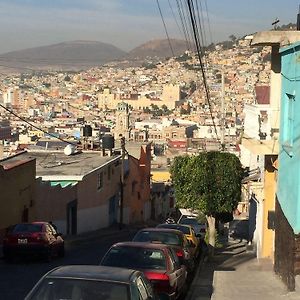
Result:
{"points": [[158, 48], [67, 55]]}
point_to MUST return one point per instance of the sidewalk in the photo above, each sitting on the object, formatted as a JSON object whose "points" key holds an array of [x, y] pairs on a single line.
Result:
{"points": [[236, 274]]}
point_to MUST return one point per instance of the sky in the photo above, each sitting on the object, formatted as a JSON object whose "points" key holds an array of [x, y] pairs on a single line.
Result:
{"points": [[129, 23]]}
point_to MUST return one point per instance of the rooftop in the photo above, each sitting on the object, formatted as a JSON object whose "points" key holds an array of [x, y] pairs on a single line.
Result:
{"points": [[55, 165], [273, 37]]}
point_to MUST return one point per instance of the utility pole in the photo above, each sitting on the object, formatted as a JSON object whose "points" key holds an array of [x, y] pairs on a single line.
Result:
{"points": [[222, 113], [122, 181]]}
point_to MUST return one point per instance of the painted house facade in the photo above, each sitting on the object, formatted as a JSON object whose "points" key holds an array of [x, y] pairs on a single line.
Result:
{"points": [[79, 193], [287, 240], [17, 190]]}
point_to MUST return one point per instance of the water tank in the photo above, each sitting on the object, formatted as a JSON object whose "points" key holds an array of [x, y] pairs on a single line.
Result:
{"points": [[87, 130], [108, 142], [69, 150]]}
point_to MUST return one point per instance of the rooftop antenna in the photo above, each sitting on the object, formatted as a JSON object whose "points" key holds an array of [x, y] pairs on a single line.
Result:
{"points": [[276, 21], [298, 19]]}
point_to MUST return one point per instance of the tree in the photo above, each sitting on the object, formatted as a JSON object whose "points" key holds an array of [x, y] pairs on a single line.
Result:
{"points": [[209, 182]]}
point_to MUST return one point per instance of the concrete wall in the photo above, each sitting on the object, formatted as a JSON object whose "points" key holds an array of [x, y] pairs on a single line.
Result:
{"points": [[288, 192], [17, 188], [51, 203], [137, 187], [93, 218]]}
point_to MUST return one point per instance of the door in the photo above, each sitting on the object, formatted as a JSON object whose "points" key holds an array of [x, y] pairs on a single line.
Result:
{"points": [[113, 210], [72, 217]]}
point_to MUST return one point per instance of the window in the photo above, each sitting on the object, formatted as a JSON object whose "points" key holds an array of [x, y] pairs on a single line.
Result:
{"points": [[100, 180], [288, 124]]}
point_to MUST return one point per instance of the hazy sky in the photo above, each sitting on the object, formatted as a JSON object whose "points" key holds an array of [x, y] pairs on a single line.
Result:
{"points": [[128, 23]]}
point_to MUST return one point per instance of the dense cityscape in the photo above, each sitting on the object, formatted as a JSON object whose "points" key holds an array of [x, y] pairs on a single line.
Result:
{"points": [[169, 170]]}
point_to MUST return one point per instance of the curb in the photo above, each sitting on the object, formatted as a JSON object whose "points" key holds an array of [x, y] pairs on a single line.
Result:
{"points": [[189, 295]]}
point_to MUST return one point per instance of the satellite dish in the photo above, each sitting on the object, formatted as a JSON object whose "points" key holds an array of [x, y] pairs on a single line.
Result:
{"points": [[69, 150]]}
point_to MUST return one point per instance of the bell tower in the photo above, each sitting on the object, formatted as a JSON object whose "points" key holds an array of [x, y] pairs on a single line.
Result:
{"points": [[122, 121]]}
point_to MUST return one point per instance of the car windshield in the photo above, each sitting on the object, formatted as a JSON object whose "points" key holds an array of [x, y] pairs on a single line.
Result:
{"points": [[79, 289], [189, 221], [183, 229], [168, 238], [27, 228], [135, 258]]}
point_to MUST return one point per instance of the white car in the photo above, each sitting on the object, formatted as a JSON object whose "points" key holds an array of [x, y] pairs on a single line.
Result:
{"points": [[200, 228]]}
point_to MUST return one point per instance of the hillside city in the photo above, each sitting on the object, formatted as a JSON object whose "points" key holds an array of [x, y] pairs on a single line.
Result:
{"points": [[166, 101], [86, 178]]}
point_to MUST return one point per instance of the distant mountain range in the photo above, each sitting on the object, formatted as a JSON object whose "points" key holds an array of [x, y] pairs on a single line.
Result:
{"points": [[158, 48], [77, 55]]}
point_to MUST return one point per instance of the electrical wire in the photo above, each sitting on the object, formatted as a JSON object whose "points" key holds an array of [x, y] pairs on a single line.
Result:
{"points": [[208, 22], [198, 46], [184, 24], [167, 34], [36, 127], [174, 16]]}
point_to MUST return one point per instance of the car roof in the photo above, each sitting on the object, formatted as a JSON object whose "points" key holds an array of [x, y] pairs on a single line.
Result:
{"points": [[90, 272], [159, 246], [162, 230]]}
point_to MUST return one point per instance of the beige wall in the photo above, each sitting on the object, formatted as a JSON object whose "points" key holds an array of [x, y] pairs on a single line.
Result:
{"points": [[17, 188]]}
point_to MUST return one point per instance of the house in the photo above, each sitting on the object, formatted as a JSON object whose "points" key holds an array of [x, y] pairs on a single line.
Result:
{"points": [[259, 148], [79, 192], [287, 239], [274, 200], [17, 190], [137, 205]]}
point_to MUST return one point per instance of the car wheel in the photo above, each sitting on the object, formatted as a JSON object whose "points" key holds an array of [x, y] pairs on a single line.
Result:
{"points": [[61, 251]]}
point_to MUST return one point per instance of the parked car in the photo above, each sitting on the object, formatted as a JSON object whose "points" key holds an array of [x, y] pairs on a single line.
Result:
{"points": [[92, 282], [36, 238], [189, 233], [174, 238], [158, 262], [200, 228]]}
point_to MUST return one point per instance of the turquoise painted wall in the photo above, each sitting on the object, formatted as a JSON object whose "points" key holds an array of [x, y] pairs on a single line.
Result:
{"points": [[288, 185]]}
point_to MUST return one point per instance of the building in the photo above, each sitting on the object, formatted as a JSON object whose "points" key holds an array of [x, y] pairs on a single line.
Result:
{"points": [[79, 192], [17, 189], [287, 240]]}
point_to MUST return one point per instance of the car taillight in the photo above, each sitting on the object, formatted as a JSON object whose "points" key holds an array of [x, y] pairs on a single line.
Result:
{"points": [[180, 253]]}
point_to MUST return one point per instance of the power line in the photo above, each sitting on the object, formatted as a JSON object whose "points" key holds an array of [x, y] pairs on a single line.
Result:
{"points": [[184, 24], [175, 17], [36, 127], [197, 42], [208, 22], [162, 18]]}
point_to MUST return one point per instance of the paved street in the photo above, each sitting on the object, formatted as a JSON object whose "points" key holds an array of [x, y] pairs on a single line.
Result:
{"points": [[18, 278]]}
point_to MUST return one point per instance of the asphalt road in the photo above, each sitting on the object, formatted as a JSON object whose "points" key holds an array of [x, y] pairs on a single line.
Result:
{"points": [[17, 278]]}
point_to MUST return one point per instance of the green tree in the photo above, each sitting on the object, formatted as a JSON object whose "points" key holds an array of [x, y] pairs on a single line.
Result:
{"points": [[209, 182]]}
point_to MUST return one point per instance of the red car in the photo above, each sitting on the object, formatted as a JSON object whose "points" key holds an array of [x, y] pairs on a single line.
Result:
{"points": [[171, 237], [37, 238], [158, 262]]}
